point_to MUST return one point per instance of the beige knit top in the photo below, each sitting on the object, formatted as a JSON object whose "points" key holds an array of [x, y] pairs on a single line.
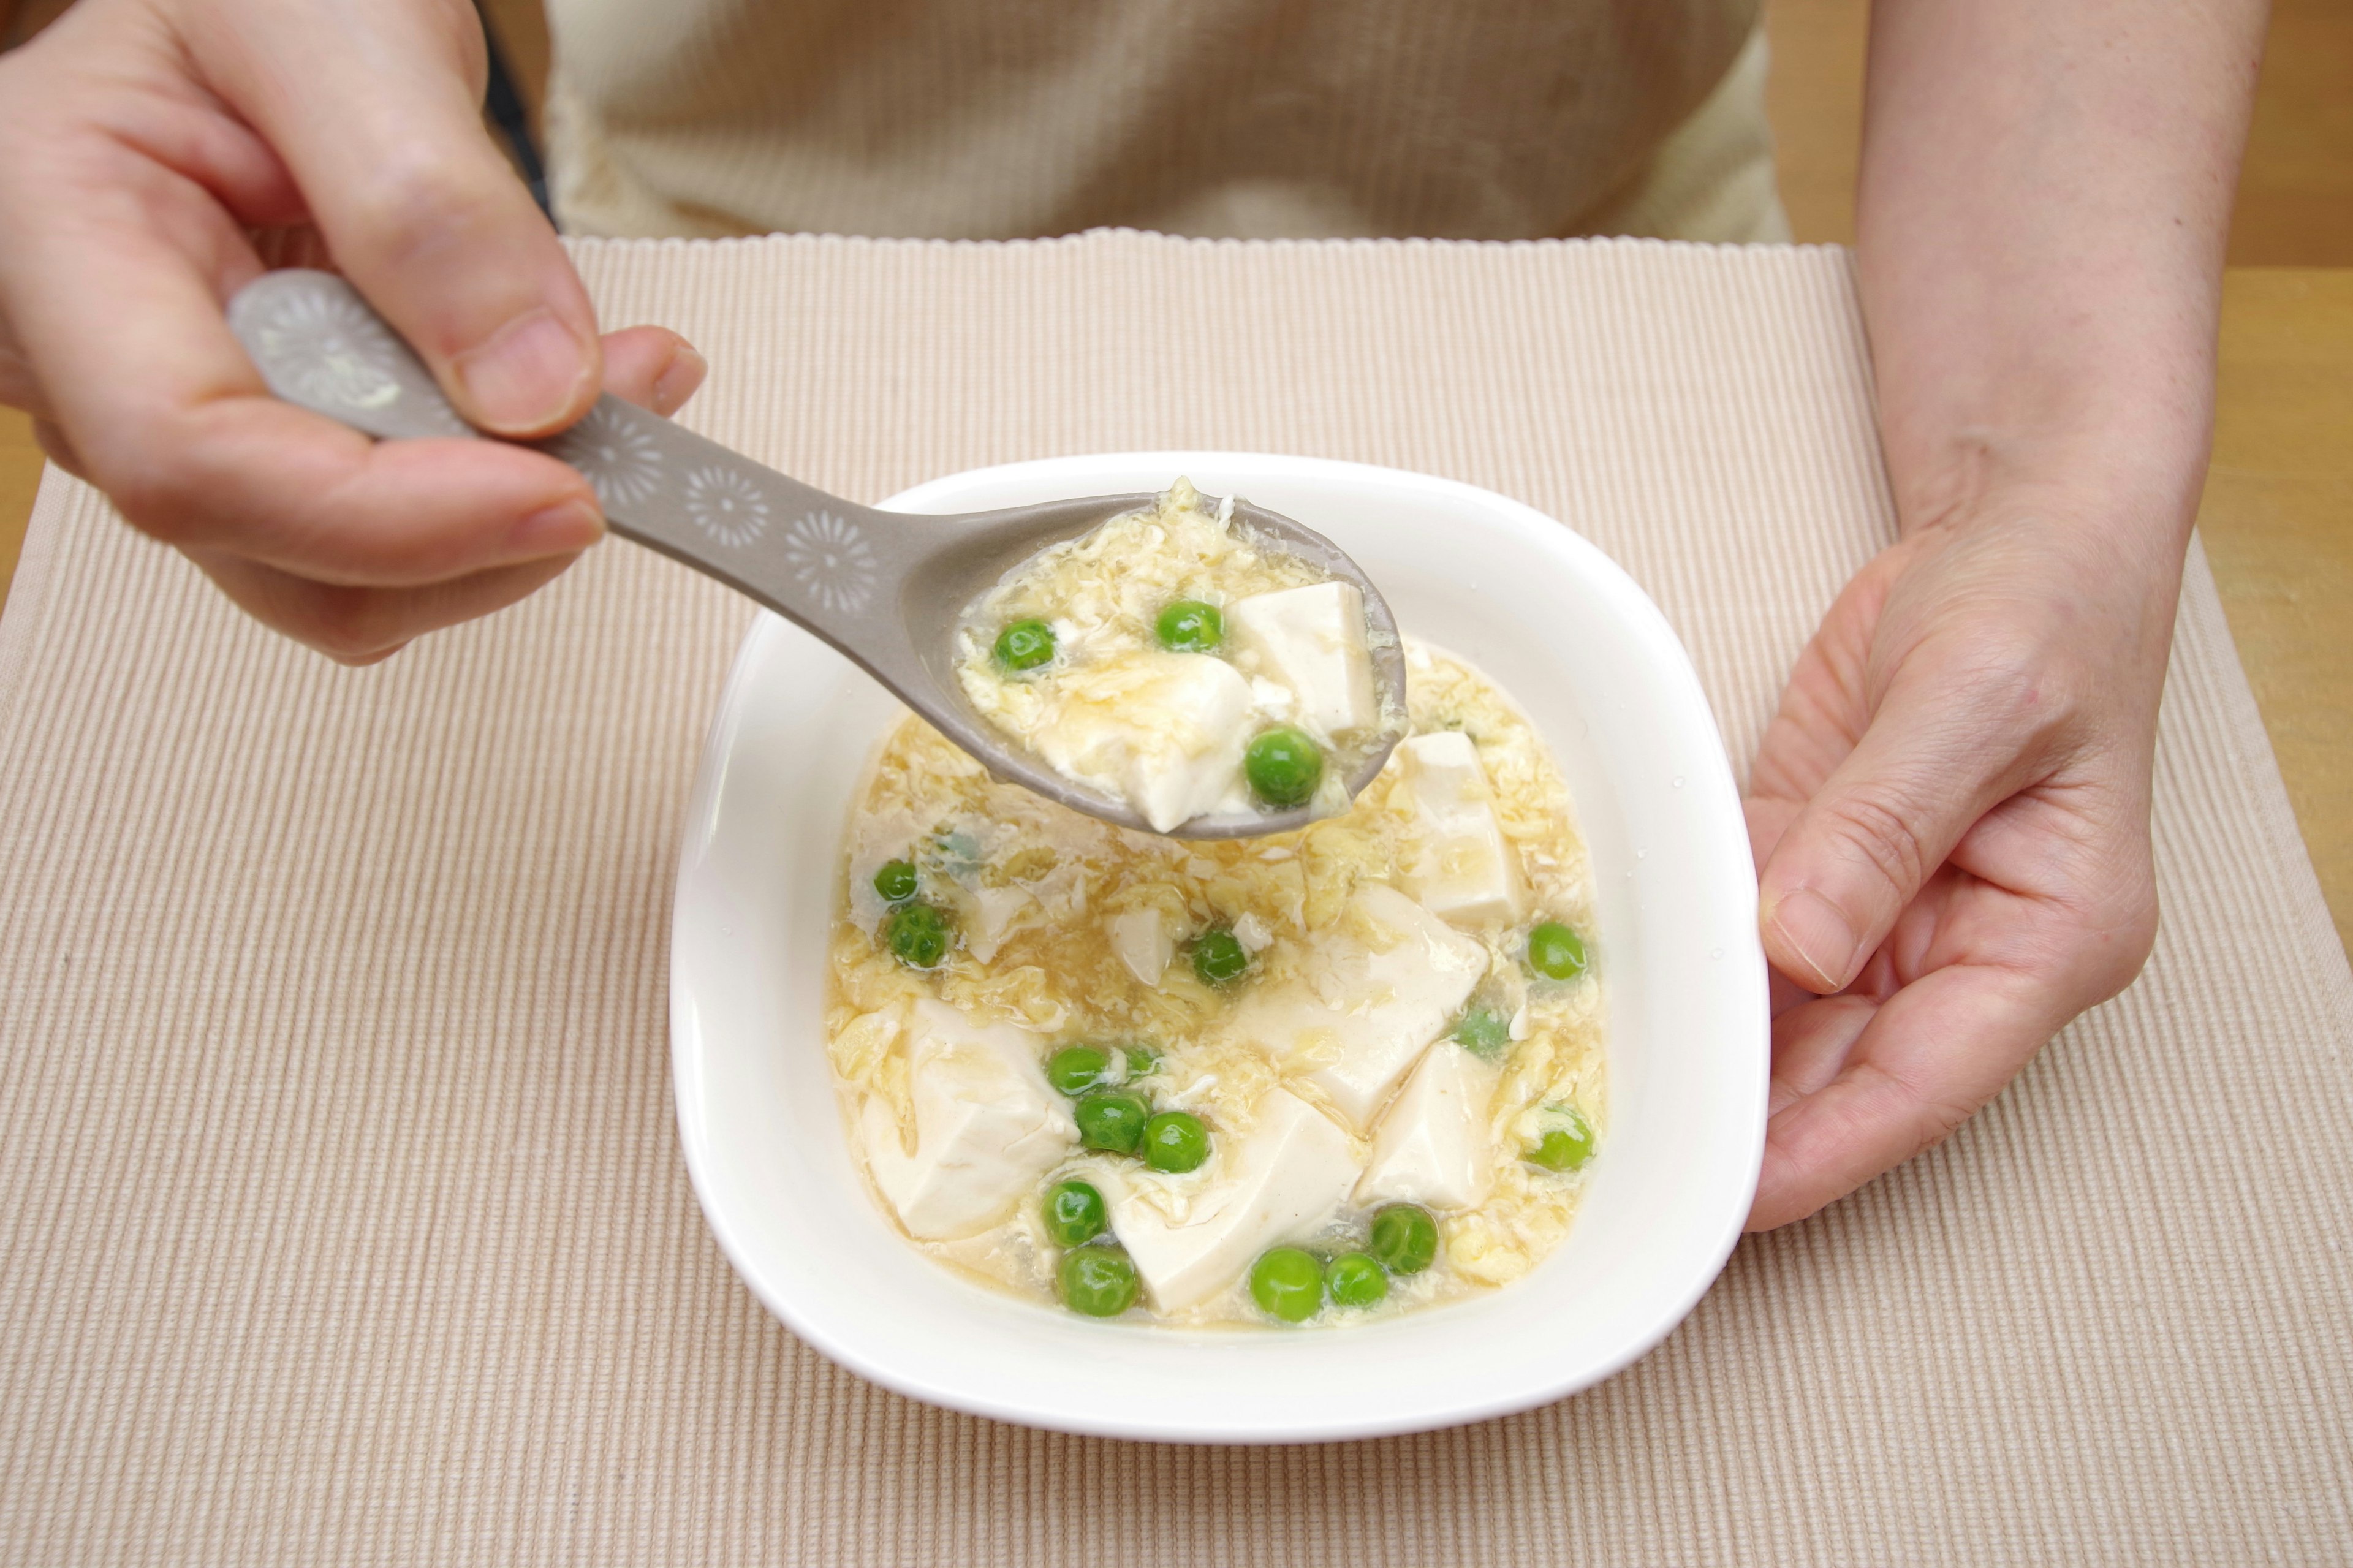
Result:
{"points": [[1483, 118]]}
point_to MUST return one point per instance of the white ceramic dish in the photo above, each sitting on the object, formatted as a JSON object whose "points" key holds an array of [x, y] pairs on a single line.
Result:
{"points": [[1590, 659]]}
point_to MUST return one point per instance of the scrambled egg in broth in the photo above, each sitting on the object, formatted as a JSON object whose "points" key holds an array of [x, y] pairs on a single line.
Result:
{"points": [[1228, 1081], [1172, 661]]}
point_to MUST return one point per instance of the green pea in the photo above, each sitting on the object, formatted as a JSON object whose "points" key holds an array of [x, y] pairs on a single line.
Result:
{"points": [[1189, 626], [918, 935], [958, 855], [896, 880], [1556, 952], [1139, 1061], [1114, 1122], [1218, 956], [1074, 1069], [1287, 1283], [1567, 1145], [1098, 1282], [1283, 766], [1483, 1032], [1356, 1279], [1025, 645], [1074, 1213], [1405, 1238], [1175, 1141]]}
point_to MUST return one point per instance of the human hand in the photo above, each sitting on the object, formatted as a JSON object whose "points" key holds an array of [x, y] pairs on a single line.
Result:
{"points": [[144, 145], [1951, 817]]}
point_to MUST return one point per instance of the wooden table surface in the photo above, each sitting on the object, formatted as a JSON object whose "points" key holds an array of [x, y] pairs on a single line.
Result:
{"points": [[2277, 521]]}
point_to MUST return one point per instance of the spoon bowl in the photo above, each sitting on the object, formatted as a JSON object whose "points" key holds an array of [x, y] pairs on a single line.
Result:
{"points": [[888, 589]]}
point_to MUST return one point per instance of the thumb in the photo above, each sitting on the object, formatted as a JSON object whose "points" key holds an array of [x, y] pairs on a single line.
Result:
{"points": [[1938, 754], [374, 106]]}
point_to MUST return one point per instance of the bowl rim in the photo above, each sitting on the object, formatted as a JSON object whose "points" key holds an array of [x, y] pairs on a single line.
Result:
{"points": [[1701, 1266]]}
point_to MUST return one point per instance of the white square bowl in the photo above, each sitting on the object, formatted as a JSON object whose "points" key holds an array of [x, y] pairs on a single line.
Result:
{"points": [[1594, 664]]}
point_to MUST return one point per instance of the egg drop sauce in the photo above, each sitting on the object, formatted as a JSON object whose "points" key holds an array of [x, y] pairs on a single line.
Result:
{"points": [[1034, 887], [1103, 594]]}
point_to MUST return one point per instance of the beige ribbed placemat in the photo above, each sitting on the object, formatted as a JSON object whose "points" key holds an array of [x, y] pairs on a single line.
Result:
{"points": [[344, 1217]]}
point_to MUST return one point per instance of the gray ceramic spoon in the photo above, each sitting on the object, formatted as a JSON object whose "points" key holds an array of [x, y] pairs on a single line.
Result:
{"points": [[888, 589]]}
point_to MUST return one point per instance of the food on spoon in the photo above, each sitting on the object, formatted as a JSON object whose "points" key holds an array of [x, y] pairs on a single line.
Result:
{"points": [[1173, 661], [1311, 640], [1357, 1041], [1024, 644], [1191, 625], [1283, 766]]}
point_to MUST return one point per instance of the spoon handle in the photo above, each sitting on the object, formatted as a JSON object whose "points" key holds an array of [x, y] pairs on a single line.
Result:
{"points": [[814, 558]]}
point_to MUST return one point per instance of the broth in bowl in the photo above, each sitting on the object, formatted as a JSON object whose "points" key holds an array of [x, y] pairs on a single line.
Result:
{"points": [[1321, 1076]]}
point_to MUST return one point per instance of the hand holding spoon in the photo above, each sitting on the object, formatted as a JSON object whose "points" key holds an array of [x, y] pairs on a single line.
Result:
{"points": [[887, 589]]}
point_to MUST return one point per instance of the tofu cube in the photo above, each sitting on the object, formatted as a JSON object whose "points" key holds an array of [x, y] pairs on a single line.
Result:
{"points": [[1144, 942], [1464, 870], [1285, 1182], [1376, 989], [1311, 640], [1433, 1146], [1001, 911], [987, 1126], [1164, 731]]}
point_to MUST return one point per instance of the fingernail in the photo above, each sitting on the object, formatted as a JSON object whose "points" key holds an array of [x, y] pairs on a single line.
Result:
{"points": [[555, 531], [678, 379], [1811, 928], [523, 379]]}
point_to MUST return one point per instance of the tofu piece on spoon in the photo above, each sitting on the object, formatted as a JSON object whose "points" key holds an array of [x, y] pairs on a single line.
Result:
{"points": [[1312, 640], [1433, 1146], [1465, 872], [1164, 731], [987, 1125], [1285, 1182], [1376, 989]]}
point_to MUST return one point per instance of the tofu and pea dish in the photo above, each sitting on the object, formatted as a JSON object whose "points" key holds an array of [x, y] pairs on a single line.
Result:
{"points": [[1307, 1079]]}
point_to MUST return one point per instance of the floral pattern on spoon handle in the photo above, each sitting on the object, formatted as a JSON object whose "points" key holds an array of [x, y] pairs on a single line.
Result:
{"points": [[320, 345]]}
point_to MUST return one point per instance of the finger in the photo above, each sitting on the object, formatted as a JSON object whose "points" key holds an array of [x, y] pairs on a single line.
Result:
{"points": [[58, 449], [1827, 702], [1767, 820], [1811, 1044], [377, 109], [1926, 1060], [165, 411], [17, 387], [287, 490], [363, 626], [1946, 744], [652, 367]]}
